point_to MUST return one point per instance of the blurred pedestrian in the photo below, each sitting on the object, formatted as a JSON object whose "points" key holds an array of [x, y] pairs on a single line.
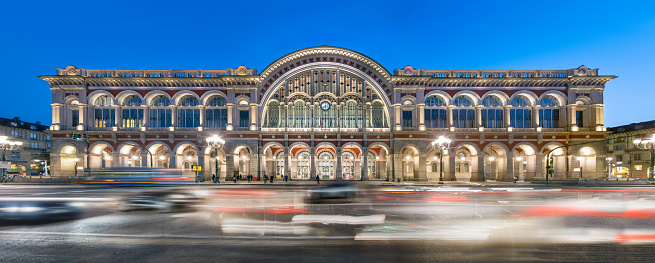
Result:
{"points": [[516, 178], [318, 180], [265, 178], [214, 178], [286, 178], [235, 179], [272, 178]]}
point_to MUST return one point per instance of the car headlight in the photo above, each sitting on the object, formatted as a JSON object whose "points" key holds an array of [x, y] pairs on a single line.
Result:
{"points": [[21, 209]]}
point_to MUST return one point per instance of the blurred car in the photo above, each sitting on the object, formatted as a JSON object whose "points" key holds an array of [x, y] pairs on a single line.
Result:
{"points": [[30, 212], [163, 201], [335, 192]]}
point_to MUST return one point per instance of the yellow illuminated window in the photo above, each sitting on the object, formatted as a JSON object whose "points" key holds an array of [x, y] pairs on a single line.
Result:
{"points": [[638, 167]]}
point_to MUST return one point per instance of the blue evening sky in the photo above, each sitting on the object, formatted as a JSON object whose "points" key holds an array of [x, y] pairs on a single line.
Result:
{"points": [[616, 36]]}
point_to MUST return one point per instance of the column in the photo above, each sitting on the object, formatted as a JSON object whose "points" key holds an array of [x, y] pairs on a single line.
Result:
{"points": [[202, 116], [364, 169], [478, 116], [115, 159], [449, 114], [174, 116], [312, 164], [506, 113], [146, 116], [201, 163], [509, 168], [287, 162], [144, 158], [172, 162], [229, 126], [229, 166], [477, 169], [119, 116], [338, 170], [539, 166], [535, 116], [449, 162], [422, 169], [421, 117], [530, 168], [253, 163]]}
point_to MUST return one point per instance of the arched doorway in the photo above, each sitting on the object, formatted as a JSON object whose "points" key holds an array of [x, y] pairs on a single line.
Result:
{"points": [[300, 162], [410, 155]]}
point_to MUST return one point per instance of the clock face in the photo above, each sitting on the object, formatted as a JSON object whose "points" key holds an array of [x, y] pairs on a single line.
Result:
{"points": [[582, 71], [408, 71], [325, 105]]}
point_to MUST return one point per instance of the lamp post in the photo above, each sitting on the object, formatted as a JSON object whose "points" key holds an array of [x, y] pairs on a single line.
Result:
{"points": [[6, 145], [443, 143], [648, 144], [216, 142]]}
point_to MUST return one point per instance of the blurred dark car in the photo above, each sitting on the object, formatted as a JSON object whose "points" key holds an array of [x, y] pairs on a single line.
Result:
{"points": [[163, 201], [31, 212], [343, 192]]}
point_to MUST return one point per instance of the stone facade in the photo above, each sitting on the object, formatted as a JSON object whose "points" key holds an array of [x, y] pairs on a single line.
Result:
{"points": [[334, 113], [628, 160]]}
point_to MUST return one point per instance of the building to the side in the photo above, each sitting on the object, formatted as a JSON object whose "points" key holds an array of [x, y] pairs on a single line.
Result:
{"points": [[335, 113], [627, 159], [36, 145]]}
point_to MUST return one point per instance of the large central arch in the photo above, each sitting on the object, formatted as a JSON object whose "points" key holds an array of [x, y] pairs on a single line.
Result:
{"points": [[325, 57]]}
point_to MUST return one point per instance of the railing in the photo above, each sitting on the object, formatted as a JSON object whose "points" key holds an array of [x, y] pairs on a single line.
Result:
{"points": [[100, 73], [500, 73]]}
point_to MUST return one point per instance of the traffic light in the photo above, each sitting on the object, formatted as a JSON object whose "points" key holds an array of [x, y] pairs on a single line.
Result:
{"points": [[77, 137]]}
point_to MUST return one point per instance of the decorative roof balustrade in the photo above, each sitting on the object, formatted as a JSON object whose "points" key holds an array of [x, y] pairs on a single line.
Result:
{"points": [[141, 73], [408, 71]]}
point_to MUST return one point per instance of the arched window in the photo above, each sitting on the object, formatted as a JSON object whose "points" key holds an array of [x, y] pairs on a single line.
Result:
{"points": [[216, 101], [105, 114], [132, 112], [371, 165], [549, 112], [188, 115], [435, 112], [303, 166], [463, 113], [466, 167], [378, 118], [103, 101], [299, 114], [272, 115], [325, 165], [351, 115], [434, 167], [279, 160], [348, 161], [160, 113], [520, 114], [215, 112], [491, 113], [458, 167]]}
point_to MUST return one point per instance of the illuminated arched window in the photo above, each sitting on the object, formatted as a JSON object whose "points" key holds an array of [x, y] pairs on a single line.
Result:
{"points": [[378, 118], [463, 113], [491, 113], [520, 115], [272, 115], [188, 114], [105, 114], [435, 112], [132, 112], [160, 112], [215, 112], [549, 112]]}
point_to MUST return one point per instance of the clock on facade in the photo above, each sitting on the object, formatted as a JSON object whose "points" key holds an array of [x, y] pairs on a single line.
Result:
{"points": [[325, 105]]}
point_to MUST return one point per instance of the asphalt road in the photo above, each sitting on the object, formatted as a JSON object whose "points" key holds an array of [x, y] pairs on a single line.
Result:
{"points": [[383, 224]]}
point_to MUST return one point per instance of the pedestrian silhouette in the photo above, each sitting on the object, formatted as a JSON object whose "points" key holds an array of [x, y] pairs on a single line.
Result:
{"points": [[318, 180]]}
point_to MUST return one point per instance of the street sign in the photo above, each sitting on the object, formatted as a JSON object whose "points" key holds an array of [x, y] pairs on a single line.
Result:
{"points": [[5, 165], [196, 168]]}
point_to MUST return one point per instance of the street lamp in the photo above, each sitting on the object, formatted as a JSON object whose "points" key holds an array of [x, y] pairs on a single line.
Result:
{"points": [[443, 143], [648, 144], [609, 167], [6, 145], [216, 142]]}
